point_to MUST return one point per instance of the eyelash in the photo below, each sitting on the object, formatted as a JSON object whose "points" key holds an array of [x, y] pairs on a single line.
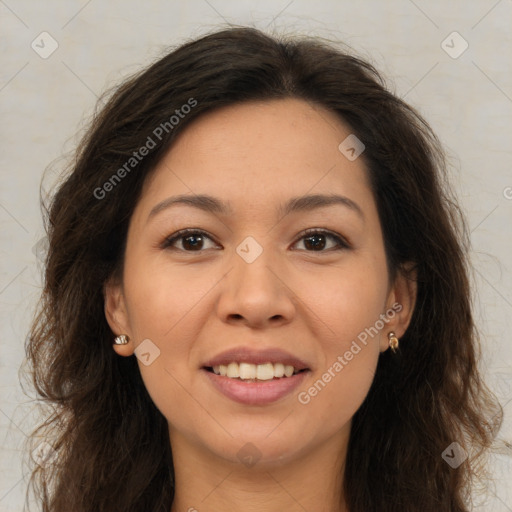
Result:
{"points": [[342, 244]]}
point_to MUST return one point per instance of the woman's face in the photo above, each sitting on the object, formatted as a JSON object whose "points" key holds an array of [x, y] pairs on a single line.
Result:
{"points": [[249, 286]]}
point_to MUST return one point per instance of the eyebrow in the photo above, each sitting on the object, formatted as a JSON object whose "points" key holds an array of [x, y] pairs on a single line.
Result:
{"points": [[211, 204]]}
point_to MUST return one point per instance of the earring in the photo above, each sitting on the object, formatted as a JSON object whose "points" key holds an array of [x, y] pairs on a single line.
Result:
{"points": [[393, 342], [122, 339]]}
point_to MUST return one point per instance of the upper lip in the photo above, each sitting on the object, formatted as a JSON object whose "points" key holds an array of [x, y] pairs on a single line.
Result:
{"points": [[248, 355]]}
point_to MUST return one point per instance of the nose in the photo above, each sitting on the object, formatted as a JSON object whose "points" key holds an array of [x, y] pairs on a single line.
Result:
{"points": [[256, 294]]}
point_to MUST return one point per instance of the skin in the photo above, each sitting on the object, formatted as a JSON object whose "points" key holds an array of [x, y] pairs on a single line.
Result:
{"points": [[313, 303]]}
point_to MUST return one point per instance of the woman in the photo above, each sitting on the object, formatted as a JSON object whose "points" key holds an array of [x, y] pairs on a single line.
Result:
{"points": [[256, 296]]}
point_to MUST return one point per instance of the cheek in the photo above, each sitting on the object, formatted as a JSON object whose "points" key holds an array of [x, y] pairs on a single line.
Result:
{"points": [[168, 309], [165, 307], [162, 298], [349, 305], [349, 342], [346, 299], [336, 395]]}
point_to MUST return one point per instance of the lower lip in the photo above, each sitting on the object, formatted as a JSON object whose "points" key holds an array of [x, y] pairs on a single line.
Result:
{"points": [[255, 393]]}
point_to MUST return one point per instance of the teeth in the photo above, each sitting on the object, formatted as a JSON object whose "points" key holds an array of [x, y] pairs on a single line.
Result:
{"points": [[265, 371], [248, 371], [279, 370], [288, 371], [233, 371]]}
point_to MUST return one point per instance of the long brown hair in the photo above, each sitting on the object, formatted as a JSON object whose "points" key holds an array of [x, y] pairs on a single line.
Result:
{"points": [[110, 443]]}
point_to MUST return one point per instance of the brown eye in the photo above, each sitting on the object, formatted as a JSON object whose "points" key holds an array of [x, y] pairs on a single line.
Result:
{"points": [[317, 240], [190, 240]]}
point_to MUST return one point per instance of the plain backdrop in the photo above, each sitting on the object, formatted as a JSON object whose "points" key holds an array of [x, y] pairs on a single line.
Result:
{"points": [[46, 99]]}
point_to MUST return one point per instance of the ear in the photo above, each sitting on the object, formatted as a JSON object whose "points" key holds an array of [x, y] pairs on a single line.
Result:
{"points": [[400, 304], [117, 315]]}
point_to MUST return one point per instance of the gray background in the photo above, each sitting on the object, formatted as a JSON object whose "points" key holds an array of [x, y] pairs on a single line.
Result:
{"points": [[45, 103]]}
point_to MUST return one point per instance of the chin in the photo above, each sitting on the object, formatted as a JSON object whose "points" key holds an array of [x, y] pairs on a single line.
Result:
{"points": [[266, 447]]}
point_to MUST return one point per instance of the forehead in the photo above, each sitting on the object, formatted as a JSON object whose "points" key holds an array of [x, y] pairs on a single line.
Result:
{"points": [[284, 128], [259, 153]]}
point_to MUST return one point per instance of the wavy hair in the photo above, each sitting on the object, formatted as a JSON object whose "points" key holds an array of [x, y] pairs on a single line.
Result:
{"points": [[110, 443]]}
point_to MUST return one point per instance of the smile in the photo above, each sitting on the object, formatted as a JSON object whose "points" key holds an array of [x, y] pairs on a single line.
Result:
{"points": [[254, 372], [252, 390]]}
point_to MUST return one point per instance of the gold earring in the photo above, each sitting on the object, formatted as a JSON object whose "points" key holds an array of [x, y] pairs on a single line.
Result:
{"points": [[122, 339], [393, 342]]}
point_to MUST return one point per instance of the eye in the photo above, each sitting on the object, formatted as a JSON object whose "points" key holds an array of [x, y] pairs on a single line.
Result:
{"points": [[190, 239], [193, 240], [315, 240]]}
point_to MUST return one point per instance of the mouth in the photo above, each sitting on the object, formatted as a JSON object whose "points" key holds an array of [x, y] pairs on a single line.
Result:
{"points": [[255, 377], [255, 384], [249, 372]]}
